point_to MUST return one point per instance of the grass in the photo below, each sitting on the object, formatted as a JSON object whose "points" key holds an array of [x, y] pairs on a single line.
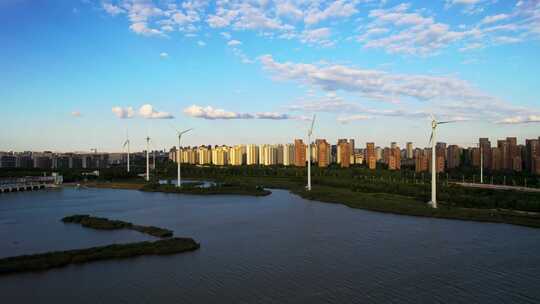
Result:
{"points": [[218, 189], [55, 259], [106, 224], [391, 203], [129, 185]]}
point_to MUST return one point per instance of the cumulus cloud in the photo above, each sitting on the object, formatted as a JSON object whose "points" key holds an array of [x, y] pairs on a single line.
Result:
{"points": [[450, 96], [148, 111], [414, 34], [234, 43], [212, 113], [142, 29], [317, 36], [339, 8], [209, 112], [123, 112], [201, 43], [376, 84], [163, 55]]}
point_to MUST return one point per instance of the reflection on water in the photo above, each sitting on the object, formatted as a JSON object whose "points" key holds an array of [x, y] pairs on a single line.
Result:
{"points": [[274, 249]]}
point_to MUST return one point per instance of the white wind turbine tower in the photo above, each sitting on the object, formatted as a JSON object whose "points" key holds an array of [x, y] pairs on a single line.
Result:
{"points": [[147, 158], [433, 141], [126, 144], [310, 132], [178, 157]]}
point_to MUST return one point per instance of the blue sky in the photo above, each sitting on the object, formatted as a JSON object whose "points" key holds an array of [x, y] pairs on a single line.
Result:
{"points": [[79, 74]]}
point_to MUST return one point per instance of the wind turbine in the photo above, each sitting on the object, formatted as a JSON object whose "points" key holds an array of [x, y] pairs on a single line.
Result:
{"points": [[126, 143], [178, 158], [147, 158], [310, 132], [432, 140]]}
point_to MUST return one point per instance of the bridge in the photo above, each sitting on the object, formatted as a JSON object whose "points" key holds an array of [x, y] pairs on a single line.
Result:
{"points": [[29, 183]]}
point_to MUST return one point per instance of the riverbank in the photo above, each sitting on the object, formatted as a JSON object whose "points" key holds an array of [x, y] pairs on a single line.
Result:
{"points": [[383, 201], [106, 224], [56, 259], [394, 203]]}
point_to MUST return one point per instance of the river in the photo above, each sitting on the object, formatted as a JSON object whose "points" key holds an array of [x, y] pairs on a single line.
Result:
{"points": [[274, 249]]}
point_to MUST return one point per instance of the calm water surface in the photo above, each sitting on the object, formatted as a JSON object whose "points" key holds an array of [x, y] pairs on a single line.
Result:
{"points": [[275, 249]]}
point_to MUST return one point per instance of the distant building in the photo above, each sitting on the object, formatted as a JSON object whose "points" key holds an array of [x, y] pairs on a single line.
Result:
{"points": [[454, 156], [410, 154], [345, 154], [299, 153], [252, 155], [323, 149], [288, 155], [370, 157]]}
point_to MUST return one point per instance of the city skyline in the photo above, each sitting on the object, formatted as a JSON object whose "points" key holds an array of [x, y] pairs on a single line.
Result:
{"points": [[84, 73]]}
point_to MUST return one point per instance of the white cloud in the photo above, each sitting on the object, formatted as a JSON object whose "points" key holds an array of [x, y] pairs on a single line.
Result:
{"points": [[494, 18], [201, 43], [143, 29], [472, 46], [374, 83], [148, 111], [226, 35], [338, 8], [317, 36], [234, 43], [112, 9], [163, 55], [76, 114], [272, 115], [520, 119], [122, 112], [347, 119], [209, 112], [414, 33], [212, 113], [447, 96]]}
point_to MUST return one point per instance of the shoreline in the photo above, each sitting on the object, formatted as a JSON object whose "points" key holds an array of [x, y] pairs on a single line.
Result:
{"points": [[377, 202]]}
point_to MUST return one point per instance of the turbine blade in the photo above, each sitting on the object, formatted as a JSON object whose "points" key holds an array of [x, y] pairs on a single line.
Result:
{"points": [[185, 131], [431, 137], [448, 121], [312, 124], [126, 143]]}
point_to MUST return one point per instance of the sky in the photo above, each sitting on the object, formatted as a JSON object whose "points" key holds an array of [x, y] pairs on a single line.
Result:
{"points": [[77, 75]]}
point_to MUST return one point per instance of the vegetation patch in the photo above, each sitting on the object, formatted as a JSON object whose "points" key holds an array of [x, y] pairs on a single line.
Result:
{"points": [[217, 189], [106, 224], [55, 259]]}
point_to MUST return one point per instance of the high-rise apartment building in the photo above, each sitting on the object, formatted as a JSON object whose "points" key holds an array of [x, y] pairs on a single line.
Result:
{"points": [[454, 156], [410, 153], [345, 154], [421, 162], [252, 154], [485, 144], [394, 160], [288, 155], [370, 157], [532, 152], [323, 151], [299, 153], [204, 154]]}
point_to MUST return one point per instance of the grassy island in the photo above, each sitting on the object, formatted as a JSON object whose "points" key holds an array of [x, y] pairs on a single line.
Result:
{"points": [[218, 188], [106, 224], [55, 259]]}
